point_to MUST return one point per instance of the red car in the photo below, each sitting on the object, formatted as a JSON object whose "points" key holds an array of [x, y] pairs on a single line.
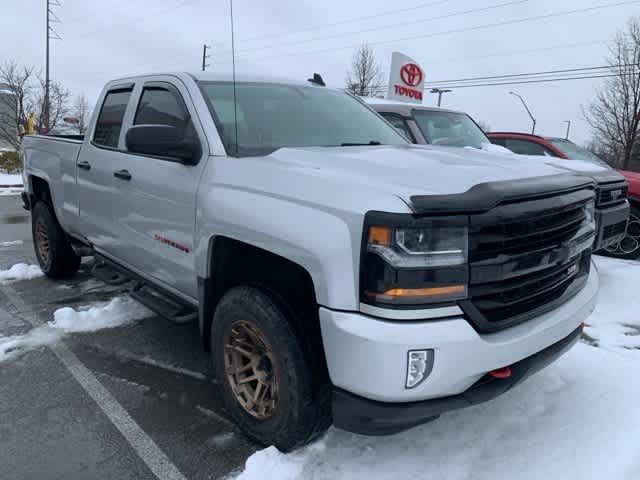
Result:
{"points": [[528, 144]]}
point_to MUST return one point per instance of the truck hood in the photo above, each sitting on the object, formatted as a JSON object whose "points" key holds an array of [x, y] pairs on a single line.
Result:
{"points": [[410, 170]]}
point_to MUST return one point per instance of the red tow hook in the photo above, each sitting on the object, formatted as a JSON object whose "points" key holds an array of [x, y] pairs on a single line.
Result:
{"points": [[504, 372]]}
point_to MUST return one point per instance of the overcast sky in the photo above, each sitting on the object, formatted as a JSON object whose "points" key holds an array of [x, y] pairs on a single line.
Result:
{"points": [[294, 38]]}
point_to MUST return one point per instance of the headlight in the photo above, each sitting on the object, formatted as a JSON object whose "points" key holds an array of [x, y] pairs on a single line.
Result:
{"points": [[419, 247], [411, 262]]}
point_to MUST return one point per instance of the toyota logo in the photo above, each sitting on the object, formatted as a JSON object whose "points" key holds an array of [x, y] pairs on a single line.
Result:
{"points": [[411, 74]]}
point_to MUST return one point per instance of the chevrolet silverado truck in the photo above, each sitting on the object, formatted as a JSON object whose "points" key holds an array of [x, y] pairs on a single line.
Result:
{"points": [[338, 273], [435, 126]]}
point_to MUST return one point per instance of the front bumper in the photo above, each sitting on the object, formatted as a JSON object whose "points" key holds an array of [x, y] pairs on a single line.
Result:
{"points": [[367, 356], [611, 225], [369, 417]]}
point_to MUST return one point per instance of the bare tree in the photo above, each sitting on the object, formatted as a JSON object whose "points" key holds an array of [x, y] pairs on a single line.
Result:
{"points": [[16, 100], [81, 112], [365, 77], [614, 114], [59, 98]]}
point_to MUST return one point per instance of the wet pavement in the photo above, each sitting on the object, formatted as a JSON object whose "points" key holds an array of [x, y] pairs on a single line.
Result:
{"points": [[157, 413]]}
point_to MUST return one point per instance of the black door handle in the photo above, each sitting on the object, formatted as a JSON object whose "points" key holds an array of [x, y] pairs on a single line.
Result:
{"points": [[84, 165], [122, 174]]}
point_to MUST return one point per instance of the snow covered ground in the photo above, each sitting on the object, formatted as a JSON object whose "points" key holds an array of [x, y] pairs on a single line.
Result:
{"points": [[119, 311], [577, 419], [10, 179], [10, 184]]}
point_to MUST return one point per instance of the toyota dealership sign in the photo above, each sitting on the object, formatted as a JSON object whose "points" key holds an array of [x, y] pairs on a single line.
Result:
{"points": [[406, 79]]}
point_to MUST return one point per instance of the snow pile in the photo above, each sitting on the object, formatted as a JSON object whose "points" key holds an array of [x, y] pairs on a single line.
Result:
{"points": [[577, 419], [119, 311], [20, 271], [615, 323], [10, 179]]}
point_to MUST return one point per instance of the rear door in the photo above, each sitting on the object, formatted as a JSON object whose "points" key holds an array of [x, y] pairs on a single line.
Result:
{"points": [[95, 164], [155, 199]]}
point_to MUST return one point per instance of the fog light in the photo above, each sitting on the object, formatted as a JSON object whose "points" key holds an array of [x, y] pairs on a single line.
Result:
{"points": [[419, 366]]}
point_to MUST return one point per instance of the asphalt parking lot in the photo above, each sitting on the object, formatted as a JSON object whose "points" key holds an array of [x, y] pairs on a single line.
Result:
{"points": [[132, 402]]}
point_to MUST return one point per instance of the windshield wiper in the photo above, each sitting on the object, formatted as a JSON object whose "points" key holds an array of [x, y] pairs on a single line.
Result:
{"points": [[372, 142]]}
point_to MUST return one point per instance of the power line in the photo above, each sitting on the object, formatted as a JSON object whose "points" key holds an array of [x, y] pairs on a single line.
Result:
{"points": [[454, 31], [383, 88], [346, 21], [395, 25], [542, 80], [515, 75]]}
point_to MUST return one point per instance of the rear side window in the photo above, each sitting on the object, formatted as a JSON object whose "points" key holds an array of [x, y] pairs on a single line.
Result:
{"points": [[524, 147], [109, 122], [159, 106]]}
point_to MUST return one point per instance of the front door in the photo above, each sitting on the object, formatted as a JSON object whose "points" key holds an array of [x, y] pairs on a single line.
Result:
{"points": [[155, 202]]}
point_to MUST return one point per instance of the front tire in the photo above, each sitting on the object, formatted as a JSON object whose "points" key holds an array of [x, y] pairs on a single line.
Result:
{"points": [[53, 249], [267, 384], [629, 246]]}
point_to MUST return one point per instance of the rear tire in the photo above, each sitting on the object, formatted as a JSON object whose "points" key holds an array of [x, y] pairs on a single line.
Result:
{"points": [[293, 412], [629, 247], [52, 246]]}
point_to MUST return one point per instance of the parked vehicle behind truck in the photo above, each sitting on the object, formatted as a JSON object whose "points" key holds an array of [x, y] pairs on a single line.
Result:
{"points": [[448, 128], [527, 144], [338, 273]]}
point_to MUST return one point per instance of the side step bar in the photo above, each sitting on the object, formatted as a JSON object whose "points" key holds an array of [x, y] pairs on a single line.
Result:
{"points": [[154, 298], [163, 305]]}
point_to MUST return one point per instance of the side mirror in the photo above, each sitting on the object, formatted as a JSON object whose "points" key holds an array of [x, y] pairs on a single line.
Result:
{"points": [[162, 141]]}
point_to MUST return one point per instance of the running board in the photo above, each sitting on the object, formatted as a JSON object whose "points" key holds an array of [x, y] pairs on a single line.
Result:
{"points": [[165, 306], [109, 274]]}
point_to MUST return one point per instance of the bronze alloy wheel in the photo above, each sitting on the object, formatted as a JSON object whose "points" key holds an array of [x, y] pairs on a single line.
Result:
{"points": [[251, 370], [42, 241], [630, 244]]}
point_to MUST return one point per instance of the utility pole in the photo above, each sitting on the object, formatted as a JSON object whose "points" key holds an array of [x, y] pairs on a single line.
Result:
{"points": [[440, 91], [533, 129], [205, 47], [568, 122], [51, 35]]}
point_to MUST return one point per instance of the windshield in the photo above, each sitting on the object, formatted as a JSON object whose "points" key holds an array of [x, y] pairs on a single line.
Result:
{"points": [[272, 116], [449, 128], [574, 152]]}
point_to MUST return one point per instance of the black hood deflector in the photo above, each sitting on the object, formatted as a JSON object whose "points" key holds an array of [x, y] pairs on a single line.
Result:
{"points": [[485, 196]]}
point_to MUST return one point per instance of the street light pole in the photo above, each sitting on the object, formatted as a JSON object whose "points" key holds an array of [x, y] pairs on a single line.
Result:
{"points": [[439, 91], [533, 129], [568, 122]]}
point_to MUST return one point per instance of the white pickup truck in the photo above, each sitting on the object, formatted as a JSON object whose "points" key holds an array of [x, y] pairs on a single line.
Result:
{"points": [[338, 273]]}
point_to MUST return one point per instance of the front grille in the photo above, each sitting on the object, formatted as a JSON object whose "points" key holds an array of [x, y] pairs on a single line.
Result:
{"points": [[611, 194], [526, 257], [614, 230]]}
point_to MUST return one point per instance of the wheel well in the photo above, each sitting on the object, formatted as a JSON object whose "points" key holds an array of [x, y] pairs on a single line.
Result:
{"points": [[234, 263], [635, 202], [40, 191]]}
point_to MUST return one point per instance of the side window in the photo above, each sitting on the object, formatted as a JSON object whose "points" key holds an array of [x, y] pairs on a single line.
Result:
{"points": [[498, 141], [109, 121], [524, 147], [399, 124], [159, 106]]}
